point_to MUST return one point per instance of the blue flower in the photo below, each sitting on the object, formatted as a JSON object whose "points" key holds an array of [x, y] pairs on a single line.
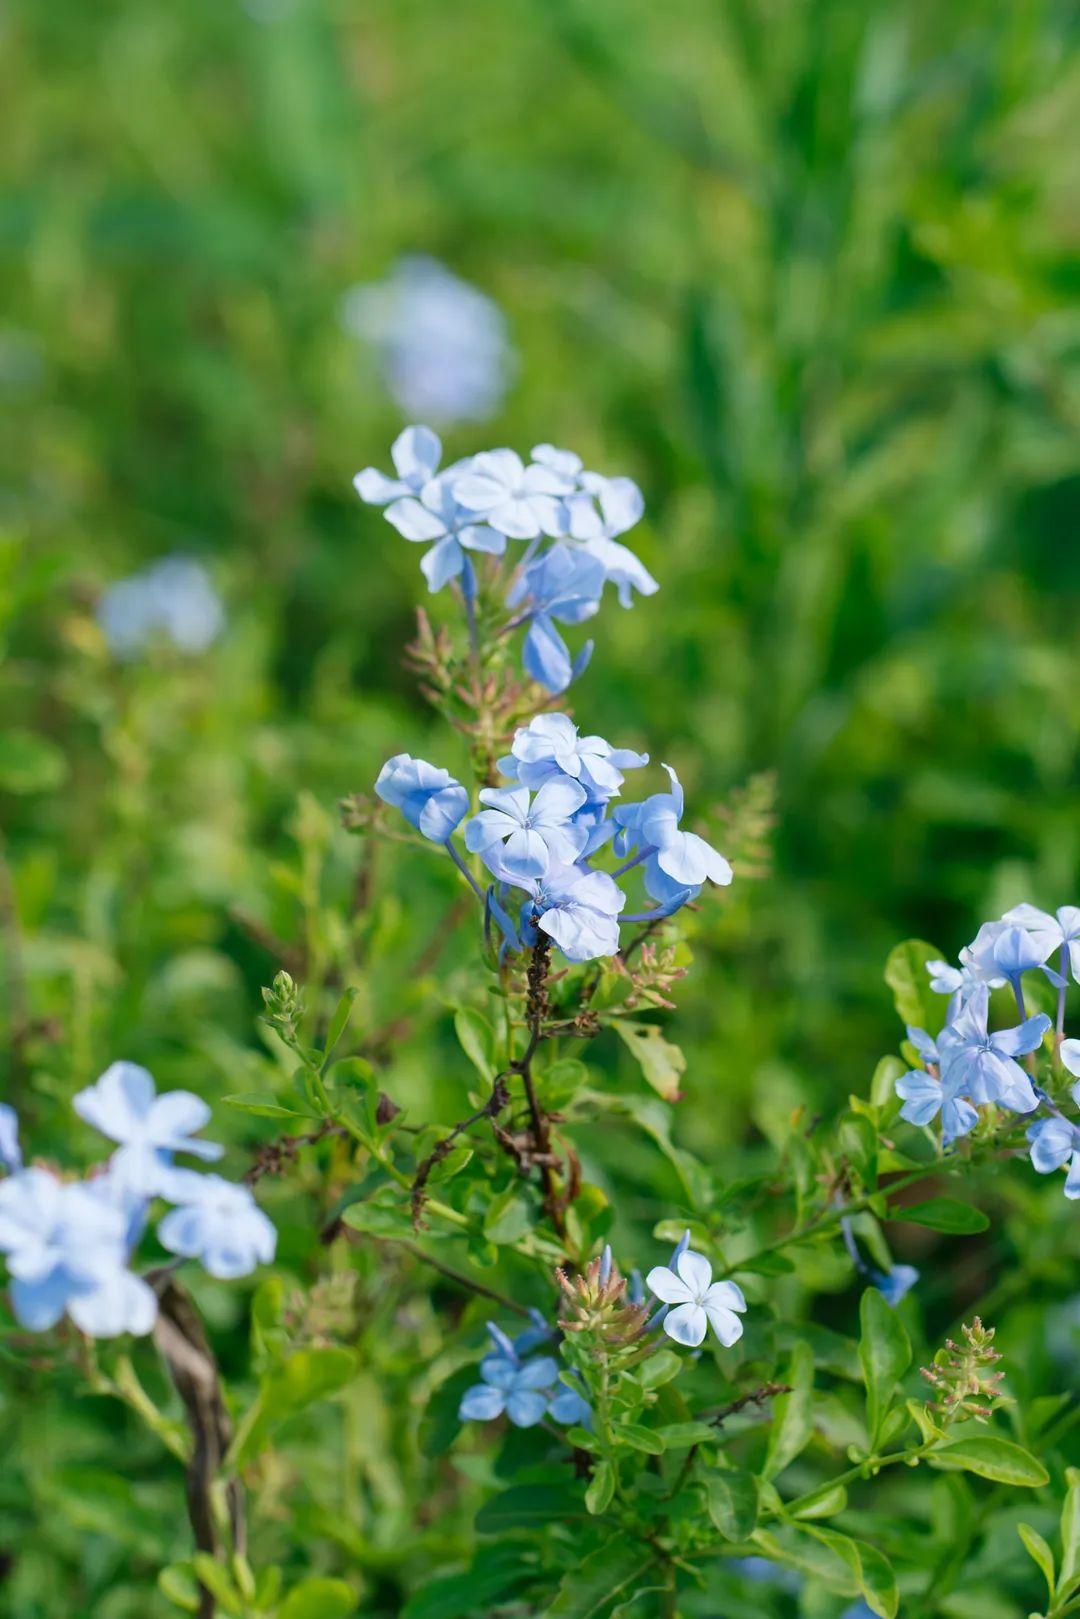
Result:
{"points": [[428, 797], [924, 1097], [442, 344], [982, 1065], [564, 586], [173, 600], [436, 516], [618, 507], [522, 1390], [675, 860], [415, 453], [568, 1405], [66, 1247], [579, 910], [10, 1151], [218, 1223], [696, 1302], [896, 1283], [1060, 932], [123, 1105], [1055, 1142], [550, 745], [520, 501], [519, 836]]}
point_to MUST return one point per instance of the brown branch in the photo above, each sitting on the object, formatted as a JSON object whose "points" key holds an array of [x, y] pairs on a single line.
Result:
{"points": [[499, 1098], [758, 1396], [182, 1341], [458, 1276]]}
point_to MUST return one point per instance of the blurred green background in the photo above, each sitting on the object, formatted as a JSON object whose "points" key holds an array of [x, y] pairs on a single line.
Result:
{"points": [[807, 271]]}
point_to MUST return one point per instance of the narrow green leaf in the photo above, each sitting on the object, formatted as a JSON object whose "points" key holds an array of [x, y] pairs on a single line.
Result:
{"points": [[942, 1214], [264, 1105], [662, 1063], [601, 1488], [1070, 1529], [681, 1435], [638, 1438], [793, 1414], [1039, 1552], [884, 1353], [342, 1014], [216, 1579], [476, 1038], [993, 1458]]}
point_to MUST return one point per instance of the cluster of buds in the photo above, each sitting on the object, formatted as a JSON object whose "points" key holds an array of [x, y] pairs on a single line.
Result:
{"points": [[284, 1002], [653, 976], [599, 1301], [961, 1374]]}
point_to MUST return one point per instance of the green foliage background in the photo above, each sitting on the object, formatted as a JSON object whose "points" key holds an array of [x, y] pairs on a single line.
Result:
{"points": [[809, 273]]}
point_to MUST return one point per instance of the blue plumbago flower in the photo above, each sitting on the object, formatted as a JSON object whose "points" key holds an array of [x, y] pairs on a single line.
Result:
{"points": [[562, 586], [1055, 1142], [218, 1223], [521, 1389], [531, 1337], [519, 835], [675, 861], [697, 1302], [607, 508], [436, 516], [982, 1065], [66, 1248], [1060, 932], [896, 1283], [415, 453], [578, 909], [428, 796], [173, 600], [550, 746], [442, 344], [568, 1405], [124, 1106], [522, 502], [925, 1096], [10, 1151]]}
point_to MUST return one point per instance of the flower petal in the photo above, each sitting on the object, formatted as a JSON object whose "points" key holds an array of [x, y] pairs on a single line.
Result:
{"points": [[687, 1324], [695, 1271], [667, 1286]]}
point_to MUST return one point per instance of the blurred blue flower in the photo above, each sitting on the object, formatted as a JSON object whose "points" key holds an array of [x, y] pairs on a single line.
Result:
{"points": [[442, 344], [67, 1253], [123, 1105], [520, 501], [896, 1283], [568, 1405], [562, 586], [218, 1223], [550, 745], [1059, 931], [519, 836], [10, 1151], [415, 453], [428, 796], [579, 910], [173, 600], [436, 516], [521, 1390]]}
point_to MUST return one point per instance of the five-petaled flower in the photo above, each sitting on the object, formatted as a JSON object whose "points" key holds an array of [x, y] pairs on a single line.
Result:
{"points": [[520, 501], [677, 861], [519, 835], [697, 1301], [218, 1223], [520, 1388], [428, 796], [550, 745], [124, 1106]]}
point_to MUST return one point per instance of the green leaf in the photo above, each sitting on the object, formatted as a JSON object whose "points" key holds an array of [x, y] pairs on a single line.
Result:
{"points": [[1070, 1529], [601, 1488], [883, 1082], [942, 1214], [216, 1579], [1039, 1552], [884, 1353], [305, 1377], [826, 1506], [681, 1435], [454, 1162], [508, 1217], [732, 1500], [30, 763], [662, 1063], [639, 1438], [318, 1598], [178, 1584], [476, 1591], [993, 1458], [659, 1369], [264, 1105], [476, 1038], [872, 1572], [906, 976], [587, 1588], [342, 1013], [793, 1414]]}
